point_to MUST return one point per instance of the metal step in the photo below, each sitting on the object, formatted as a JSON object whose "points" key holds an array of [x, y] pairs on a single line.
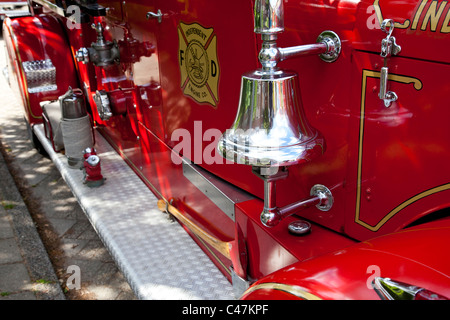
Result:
{"points": [[157, 257], [14, 14], [14, 9]]}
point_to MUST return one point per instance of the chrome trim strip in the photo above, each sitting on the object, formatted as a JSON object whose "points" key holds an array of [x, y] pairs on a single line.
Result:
{"points": [[223, 194], [240, 285], [223, 247], [291, 289]]}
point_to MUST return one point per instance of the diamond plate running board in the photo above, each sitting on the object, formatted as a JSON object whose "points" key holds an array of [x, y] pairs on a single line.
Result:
{"points": [[157, 257]]}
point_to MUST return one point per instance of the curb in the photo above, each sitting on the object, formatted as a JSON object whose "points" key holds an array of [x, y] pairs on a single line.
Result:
{"points": [[45, 284]]}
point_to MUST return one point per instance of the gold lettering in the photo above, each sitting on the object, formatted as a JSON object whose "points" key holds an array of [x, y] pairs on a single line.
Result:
{"points": [[445, 27], [433, 15], [418, 14], [376, 7]]}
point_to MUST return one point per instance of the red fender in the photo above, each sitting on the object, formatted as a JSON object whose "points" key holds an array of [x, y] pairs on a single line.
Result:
{"points": [[417, 256], [37, 38]]}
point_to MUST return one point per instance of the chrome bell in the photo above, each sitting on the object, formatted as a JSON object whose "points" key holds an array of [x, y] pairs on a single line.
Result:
{"points": [[270, 128], [270, 131]]}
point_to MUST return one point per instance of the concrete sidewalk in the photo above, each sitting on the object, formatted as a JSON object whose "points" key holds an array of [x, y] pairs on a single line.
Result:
{"points": [[26, 272]]}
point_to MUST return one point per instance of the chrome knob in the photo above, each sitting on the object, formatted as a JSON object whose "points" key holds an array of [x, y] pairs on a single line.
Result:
{"points": [[82, 55], [299, 227]]}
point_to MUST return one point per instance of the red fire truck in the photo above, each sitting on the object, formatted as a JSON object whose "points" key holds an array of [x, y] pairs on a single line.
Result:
{"points": [[301, 144]]}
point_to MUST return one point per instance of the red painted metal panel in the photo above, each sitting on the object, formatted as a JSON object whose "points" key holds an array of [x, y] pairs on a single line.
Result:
{"points": [[386, 167], [32, 39], [398, 153], [371, 150], [413, 256], [421, 26]]}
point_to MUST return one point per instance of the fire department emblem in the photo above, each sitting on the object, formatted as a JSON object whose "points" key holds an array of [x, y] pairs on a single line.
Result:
{"points": [[199, 66]]}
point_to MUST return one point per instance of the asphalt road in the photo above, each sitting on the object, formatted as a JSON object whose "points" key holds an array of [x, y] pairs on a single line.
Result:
{"points": [[69, 238]]}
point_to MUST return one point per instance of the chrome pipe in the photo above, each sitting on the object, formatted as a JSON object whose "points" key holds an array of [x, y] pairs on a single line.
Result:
{"points": [[270, 55], [320, 196], [327, 47], [269, 21], [383, 82], [303, 50], [269, 195], [269, 16], [296, 206], [270, 217]]}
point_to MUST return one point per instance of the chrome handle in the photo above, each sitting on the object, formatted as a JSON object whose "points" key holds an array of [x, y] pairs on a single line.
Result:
{"points": [[152, 15], [389, 47], [387, 96]]}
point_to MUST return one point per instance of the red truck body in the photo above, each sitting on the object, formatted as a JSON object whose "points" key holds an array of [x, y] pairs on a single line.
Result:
{"points": [[387, 167]]}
